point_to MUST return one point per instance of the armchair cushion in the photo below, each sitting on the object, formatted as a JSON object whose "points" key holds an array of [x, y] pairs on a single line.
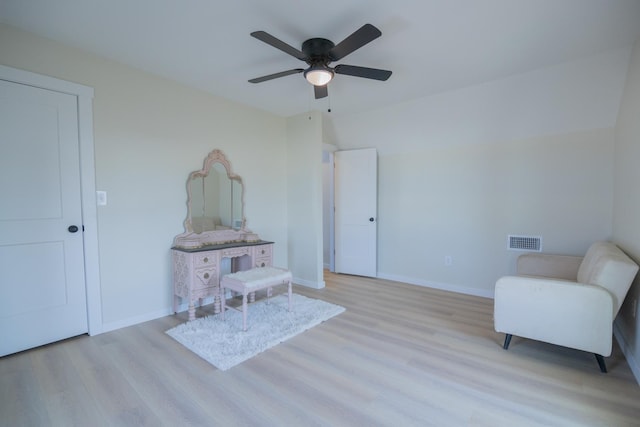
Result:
{"points": [[607, 266], [555, 311], [546, 265]]}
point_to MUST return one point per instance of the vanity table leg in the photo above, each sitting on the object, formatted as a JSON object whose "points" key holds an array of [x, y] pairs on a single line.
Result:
{"points": [[216, 304], [244, 311], [192, 311]]}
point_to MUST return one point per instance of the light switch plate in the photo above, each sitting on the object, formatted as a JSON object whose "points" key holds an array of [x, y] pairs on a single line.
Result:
{"points": [[101, 197]]}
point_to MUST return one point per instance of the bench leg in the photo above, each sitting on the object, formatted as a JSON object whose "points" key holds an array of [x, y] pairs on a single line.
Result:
{"points": [[290, 295], [223, 302], [244, 311]]}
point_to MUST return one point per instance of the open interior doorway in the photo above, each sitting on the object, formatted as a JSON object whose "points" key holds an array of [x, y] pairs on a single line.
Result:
{"points": [[328, 252]]}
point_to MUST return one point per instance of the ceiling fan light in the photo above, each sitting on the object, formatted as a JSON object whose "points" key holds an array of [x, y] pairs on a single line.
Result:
{"points": [[318, 76]]}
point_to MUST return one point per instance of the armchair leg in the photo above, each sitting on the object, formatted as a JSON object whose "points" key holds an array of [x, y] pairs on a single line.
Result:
{"points": [[507, 341], [603, 367]]}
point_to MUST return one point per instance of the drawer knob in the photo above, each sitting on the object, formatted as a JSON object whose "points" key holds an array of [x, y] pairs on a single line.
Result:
{"points": [[206, 259], [206, 275], [262, 265], [263, 251]]}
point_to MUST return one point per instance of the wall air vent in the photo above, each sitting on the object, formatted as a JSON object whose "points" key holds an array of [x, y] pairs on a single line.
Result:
{"points": [[524, 243]]}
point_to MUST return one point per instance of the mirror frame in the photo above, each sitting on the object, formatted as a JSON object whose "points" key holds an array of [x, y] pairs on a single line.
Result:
{"points": [[215, 156]]}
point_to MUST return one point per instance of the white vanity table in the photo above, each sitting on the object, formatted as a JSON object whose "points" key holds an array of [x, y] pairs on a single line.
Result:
{"points": [[196, 272], [214, 230]]}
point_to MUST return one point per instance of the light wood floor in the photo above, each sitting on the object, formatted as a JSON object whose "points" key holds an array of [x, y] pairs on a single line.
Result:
{"points": [[400, 355]]}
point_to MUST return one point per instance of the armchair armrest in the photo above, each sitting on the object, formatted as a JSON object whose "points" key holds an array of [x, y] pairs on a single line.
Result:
{"points": [[563, 267], [565, 313]]}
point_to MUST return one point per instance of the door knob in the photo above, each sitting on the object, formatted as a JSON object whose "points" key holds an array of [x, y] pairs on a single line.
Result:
{"points": [[371, 219], [72, 228]]}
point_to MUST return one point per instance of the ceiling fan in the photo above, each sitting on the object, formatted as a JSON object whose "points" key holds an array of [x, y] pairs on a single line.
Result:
{"points": [[318, 53]]}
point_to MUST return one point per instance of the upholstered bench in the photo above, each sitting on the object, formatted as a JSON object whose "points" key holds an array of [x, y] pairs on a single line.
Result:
{"points": [[249, 281]]}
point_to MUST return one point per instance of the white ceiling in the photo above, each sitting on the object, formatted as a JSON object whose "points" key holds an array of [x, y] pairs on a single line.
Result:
{"points": [[432, 46]]}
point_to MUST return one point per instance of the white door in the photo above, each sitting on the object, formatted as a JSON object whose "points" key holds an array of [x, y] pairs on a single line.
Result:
{"points": [[42, 285], [356, 196]]}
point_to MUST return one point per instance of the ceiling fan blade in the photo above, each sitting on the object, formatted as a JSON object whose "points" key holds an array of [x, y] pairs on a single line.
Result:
{"points": [[359, 38], [276, 75], [278, 44], [321, 91], [367, 73]]}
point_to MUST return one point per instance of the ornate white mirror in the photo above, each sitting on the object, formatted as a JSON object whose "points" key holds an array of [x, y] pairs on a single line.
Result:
{"points": [[215, 205], [215, 197]]}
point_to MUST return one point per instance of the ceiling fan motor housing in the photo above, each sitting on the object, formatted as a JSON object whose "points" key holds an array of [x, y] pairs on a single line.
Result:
{"points": [[317, 51]]}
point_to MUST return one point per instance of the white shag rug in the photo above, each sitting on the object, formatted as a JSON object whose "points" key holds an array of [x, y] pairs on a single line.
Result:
{"points": [[224, 344]]}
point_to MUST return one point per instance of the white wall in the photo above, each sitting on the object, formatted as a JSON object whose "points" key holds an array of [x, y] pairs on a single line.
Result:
{"points": [[149, 134], [304, 215], [462, 202], [530, 154], [626, 212]]}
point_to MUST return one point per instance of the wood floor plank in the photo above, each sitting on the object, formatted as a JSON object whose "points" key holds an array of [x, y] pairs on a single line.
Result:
{"points": [[19, 384], [399, 355]]}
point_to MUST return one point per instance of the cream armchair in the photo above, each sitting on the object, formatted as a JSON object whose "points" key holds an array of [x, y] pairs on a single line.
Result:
{"points": [[565, 300]]}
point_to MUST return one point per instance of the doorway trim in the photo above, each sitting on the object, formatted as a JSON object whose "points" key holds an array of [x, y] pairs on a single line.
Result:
{"points": [[328, 183], [84, 95]]}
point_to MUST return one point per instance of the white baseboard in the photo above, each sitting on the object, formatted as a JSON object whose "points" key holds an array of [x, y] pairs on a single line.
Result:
{"points": [[118, 324], [486, 293], [112, 326], [633, 363], [309, 283]]}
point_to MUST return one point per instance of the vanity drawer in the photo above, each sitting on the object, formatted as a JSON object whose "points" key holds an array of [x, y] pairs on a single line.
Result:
{"points": [[262, 262], [205, 259], [263, 256], [206, 277], [235, 252], [263, 251]]}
